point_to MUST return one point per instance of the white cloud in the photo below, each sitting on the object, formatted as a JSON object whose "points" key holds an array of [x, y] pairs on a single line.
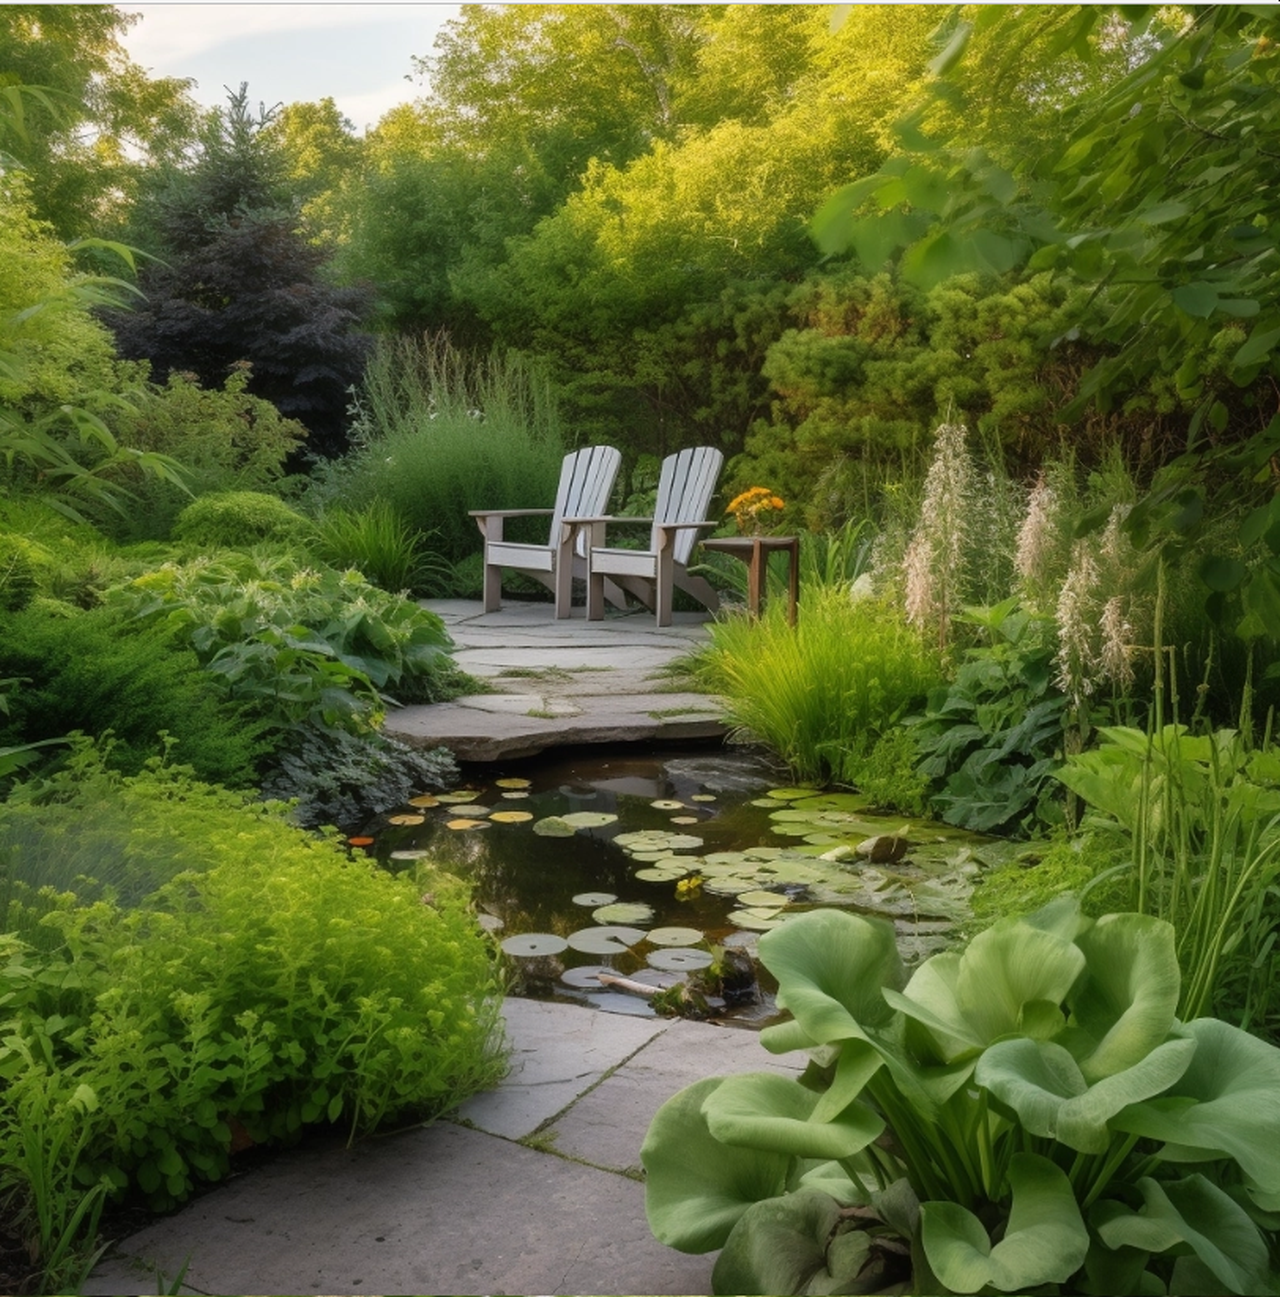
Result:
{"points": [[169, 33]]}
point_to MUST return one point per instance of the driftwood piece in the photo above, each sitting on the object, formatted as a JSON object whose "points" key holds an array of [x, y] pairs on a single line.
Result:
{"points": [[626, 984]]}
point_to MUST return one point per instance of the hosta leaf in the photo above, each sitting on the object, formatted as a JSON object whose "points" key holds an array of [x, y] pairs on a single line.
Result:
{"points": [[1125, 1007], [1196, 1212], [1226, 1104], [781, 1246], [767, 1111], [1042, 1084], [696, 1188], [1045, 1241], [831, 965]]}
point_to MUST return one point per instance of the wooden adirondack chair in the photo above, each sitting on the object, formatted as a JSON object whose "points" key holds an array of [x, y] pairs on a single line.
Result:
{"points": [[685, 487], [586, 480]]}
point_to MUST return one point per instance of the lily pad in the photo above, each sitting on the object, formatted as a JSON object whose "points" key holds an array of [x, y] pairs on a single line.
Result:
{"points": [[472, 811], [755, 920], [624, 912], [702, 797], [511, 783], [792, 794], [457, 796], [554, 827], [762, 900], [515, 797], [459, 825], [592, 899], [661, 873], [425, 801], [657, 840], [667, 804], [406, 819], [529, 945], [731, 886], [680, 960], [589, 819], [511, 817], [410, 853], [674, 936], [584, 977], [607, 940], [684, 819], [361, 840]]}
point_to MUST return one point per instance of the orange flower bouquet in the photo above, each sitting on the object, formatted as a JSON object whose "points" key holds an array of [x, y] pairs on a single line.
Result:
{"points": [[752, 508]]}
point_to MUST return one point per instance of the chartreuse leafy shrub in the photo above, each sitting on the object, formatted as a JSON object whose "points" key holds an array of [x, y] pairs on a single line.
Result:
{"points": [[270, 982], [226, 440], [820, 694], [301, 644], [238, 519], [1028, 1114]]}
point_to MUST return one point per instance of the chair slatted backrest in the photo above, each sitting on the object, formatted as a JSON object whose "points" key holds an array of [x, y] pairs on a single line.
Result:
{"points": [[685, 488], [586, 482]]}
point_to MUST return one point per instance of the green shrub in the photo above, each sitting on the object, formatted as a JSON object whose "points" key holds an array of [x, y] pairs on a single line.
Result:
{"points": [[17, 573], [991, 740], [225, 440], [382, 548], [822, 693], [280, 984], [300, 644], [440, 433], [99, 672], [346, 779], [237, 519]]}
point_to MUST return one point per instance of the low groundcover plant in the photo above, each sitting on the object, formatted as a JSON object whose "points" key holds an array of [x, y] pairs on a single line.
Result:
{"points": [[1025, 1115]]}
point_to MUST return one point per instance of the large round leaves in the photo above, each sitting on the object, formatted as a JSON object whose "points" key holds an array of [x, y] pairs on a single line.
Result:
{"points": [[1226, 1104], [767, 1111], [831, 966], [1042, 1084], [785, 1245], [696, 1188], [1045, 1240]]}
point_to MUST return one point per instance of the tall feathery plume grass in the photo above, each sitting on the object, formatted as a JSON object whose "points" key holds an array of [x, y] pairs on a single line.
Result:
{"points": [[933, 567], [1037, 537]]}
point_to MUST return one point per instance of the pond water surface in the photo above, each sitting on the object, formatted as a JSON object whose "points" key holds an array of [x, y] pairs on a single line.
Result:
{"points": [[703, 848]]}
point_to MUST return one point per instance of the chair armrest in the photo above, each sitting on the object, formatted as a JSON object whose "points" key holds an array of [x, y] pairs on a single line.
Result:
{"points": [[510, 513]]}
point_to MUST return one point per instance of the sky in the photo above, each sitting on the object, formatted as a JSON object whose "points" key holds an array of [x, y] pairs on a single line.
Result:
{"points": [[357, 54]]}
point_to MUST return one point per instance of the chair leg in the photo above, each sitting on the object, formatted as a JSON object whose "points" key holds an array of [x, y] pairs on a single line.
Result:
{"points": [[595, 596], [665, 587], [492, 587], [564, 585]]}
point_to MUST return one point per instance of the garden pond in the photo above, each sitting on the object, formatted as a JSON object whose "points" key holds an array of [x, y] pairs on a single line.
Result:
{"points": [[651, 864]]}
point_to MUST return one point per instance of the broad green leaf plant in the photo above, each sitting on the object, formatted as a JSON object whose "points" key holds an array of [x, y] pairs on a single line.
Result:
{"points": [[1026, 1113]]}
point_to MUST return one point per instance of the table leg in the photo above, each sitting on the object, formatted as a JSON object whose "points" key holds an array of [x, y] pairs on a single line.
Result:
{"points": [[755, 577]]}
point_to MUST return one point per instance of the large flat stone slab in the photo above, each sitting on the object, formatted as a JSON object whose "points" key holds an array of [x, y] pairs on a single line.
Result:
{"points": [[561, 682], [433, 1211]]}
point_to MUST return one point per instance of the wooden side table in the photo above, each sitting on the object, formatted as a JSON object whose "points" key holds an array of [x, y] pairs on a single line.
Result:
{"points": [[754, 551]]}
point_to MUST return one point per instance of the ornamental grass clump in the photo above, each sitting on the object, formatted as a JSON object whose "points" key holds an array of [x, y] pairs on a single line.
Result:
{"points": [[822, 692], [1026, 1115]]}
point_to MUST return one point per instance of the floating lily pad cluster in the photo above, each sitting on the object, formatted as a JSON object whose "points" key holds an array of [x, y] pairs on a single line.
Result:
{"points": [[830, 843]]}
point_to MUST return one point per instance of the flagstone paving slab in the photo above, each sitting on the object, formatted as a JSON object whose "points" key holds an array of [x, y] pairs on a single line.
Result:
{"points": [[563, 682]]}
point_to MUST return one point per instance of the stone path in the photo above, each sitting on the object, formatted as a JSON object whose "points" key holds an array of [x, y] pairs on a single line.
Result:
{"points": [[560, 682], [530, 1188]]}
